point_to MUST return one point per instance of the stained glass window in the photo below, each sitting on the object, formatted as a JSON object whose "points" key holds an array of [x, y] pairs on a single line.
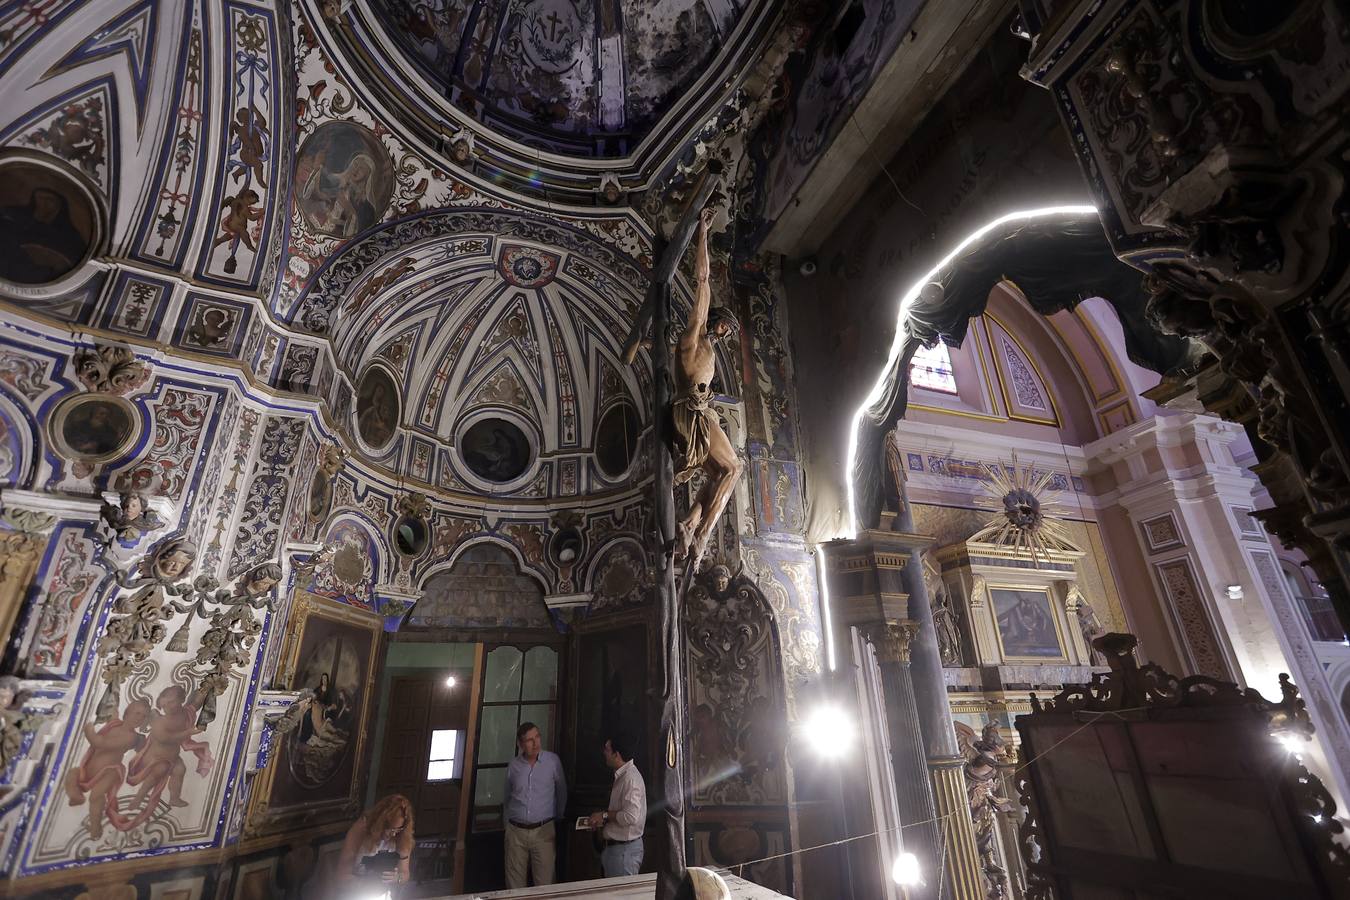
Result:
{"points": [[931, 368]]}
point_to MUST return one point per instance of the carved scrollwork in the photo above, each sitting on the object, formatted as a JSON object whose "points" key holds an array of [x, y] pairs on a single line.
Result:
{"points": [[110, 370], [138, 625]]}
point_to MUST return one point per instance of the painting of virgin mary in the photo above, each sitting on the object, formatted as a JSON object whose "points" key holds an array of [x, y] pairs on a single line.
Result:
{"points": [[343, 179]]}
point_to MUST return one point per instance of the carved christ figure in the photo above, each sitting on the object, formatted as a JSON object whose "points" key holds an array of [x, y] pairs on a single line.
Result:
{"points": [[699, 442]]}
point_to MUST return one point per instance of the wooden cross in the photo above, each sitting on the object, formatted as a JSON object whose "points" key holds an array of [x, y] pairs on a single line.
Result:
{"points": [[654, 317]]}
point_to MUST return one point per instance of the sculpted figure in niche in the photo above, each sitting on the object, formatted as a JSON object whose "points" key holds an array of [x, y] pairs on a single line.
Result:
{"points": [[944, 624], [699, 441], [1089, 624]]}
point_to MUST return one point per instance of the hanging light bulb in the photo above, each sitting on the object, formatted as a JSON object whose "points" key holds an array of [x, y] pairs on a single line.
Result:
{"points": [[451, 681]]}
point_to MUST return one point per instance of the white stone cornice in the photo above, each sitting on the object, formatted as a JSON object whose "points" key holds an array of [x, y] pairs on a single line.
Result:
{"points": [[60, 506]]}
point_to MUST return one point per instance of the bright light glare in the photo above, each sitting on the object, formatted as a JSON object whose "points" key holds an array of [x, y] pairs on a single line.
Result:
{"points": [[1317, 817], [906, 870], [829, 730], [1291, 742], [827, 614], [898, 342], [383, 895], [451, 681]]}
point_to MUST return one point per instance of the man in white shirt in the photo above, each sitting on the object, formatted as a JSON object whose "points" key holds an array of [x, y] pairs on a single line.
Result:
{"points": [[621, 825]]}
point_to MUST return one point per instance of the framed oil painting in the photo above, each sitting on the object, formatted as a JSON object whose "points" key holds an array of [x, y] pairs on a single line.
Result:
{"points": [[377, 408], [315, 774], [1026, 623], [49, 221], [94, 428], [344, 179], [496, 450]]}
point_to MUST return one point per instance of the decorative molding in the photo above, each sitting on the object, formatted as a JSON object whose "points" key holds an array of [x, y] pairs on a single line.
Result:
{"points": [[1161, 533], [891, 639]]}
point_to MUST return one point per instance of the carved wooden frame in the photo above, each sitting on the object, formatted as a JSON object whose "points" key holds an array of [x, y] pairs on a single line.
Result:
{"points": [[262, 818], [1053, 606]]}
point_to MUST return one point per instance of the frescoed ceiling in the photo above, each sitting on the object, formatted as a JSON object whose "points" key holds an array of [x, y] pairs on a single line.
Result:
{"points": [[582, 77]]}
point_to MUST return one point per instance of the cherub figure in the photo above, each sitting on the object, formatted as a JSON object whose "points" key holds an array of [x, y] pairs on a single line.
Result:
{"points": [[101, 773], [250, 130], [212, 328], [159, 762], [240, 211], [130, 518]]}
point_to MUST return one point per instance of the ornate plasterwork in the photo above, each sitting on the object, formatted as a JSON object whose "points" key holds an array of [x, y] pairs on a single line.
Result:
{"points": [[735, 698], [110, 369], [630, 81], [891, 639]]}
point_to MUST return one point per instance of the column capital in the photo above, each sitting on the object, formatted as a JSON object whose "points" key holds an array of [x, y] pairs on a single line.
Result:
{"points": [[891, 639]]}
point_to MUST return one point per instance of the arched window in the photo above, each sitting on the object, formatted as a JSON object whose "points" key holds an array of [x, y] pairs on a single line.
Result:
{"points": [[931, 368]]}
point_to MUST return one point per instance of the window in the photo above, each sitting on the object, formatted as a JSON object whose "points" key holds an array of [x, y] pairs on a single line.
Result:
{"points": [[931, 368], [518, 686], [442, 763]]}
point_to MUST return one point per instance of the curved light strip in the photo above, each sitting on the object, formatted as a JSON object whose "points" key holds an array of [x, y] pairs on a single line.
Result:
{"points": [[906, 301]]}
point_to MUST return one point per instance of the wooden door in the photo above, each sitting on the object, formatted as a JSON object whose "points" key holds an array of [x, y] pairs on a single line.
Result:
{"points": [[407, 738], [420, 706]]}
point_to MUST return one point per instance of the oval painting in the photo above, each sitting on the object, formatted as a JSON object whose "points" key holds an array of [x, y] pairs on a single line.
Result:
{"points": [[495, 450], [410, 535], [48, 223], [94, 428], [616, 439], [377, 408], [344, 179]]}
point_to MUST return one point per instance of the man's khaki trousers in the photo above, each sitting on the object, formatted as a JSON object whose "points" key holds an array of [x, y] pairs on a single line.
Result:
{"points": [[530, 849]]}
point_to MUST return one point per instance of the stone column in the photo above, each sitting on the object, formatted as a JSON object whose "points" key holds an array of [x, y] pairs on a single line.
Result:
{"points": [[945, 761], [868, 580]]}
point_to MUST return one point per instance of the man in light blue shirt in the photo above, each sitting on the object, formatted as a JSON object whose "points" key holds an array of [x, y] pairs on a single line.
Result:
{"points": [[536, 795]]}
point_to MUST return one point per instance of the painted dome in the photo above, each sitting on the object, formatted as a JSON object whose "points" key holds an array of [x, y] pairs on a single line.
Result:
{"points": [[588, 78]]}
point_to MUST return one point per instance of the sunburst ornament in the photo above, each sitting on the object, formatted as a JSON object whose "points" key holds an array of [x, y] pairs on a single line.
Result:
{"points": [[1024, 514]]}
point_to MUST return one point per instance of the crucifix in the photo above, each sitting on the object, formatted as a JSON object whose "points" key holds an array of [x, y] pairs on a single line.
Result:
{"points": [[688, 427]]}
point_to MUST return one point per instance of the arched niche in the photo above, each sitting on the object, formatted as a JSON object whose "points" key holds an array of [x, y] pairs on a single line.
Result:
{"points": [[484, 588]]}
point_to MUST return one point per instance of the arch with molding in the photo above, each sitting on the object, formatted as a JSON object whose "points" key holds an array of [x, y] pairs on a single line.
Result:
{"points": [[1056, 256], [446, 563]]}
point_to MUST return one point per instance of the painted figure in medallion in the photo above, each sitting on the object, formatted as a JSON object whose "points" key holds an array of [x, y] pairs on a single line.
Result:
{"points": [[343, 179]]}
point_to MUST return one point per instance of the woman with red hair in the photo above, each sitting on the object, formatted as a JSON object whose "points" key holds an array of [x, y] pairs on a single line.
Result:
{"points": [[379, 845]]}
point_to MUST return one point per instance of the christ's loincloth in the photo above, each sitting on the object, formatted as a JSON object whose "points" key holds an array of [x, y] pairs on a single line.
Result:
{"points": [[693, 420]]}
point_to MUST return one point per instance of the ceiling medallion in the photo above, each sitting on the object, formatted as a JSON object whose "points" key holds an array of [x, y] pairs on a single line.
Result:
{"points": [[528, 267], [1023, 515]]}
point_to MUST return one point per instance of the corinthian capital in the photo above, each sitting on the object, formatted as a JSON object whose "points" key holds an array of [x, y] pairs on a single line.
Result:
{"points": [[891, 639]]}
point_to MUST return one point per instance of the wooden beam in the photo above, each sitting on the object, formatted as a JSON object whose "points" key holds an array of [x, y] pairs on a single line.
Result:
{"points": [[668, 259]]}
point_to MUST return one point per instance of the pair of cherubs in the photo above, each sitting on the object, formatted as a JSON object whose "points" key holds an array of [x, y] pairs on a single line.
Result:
{"points": [[157, 737]]}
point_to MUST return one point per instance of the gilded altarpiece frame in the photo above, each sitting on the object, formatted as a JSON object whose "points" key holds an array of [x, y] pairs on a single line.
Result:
{"points": [[315, 775]]}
